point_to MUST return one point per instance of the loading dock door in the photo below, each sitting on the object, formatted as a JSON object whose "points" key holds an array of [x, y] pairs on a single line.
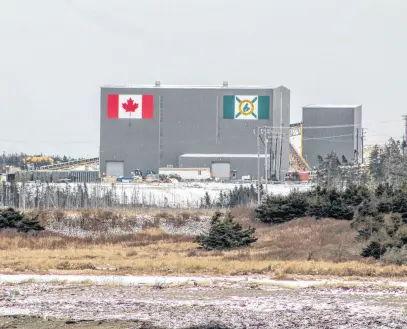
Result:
{"points": [[114, 168], [221, 170]]}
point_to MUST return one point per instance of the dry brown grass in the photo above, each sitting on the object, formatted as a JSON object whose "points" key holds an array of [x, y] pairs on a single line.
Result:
{"points": [[301, 247], [94, 219], [308, 239]]}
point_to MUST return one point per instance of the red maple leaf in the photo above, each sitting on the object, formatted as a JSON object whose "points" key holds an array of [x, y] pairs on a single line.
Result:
{"points": [[130, 106]]}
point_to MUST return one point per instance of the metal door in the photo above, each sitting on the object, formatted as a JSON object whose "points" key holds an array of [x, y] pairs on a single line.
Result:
{"points": [[114, 168], [221, 170]]}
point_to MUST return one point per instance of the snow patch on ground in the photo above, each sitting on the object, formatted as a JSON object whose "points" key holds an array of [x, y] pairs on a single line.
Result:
{"points": [[132, 280], [177, 225], [175, 195]]}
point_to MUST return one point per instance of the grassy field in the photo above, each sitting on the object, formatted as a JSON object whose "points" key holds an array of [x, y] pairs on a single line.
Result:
{"points": [[300, 247]]}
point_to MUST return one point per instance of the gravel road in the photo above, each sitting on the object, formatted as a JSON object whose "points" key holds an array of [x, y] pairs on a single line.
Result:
{"points": [[234, 304]]}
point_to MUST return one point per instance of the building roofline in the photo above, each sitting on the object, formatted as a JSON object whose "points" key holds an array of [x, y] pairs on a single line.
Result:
{"points": [[220, 155], [332, 106], [129, 86]]}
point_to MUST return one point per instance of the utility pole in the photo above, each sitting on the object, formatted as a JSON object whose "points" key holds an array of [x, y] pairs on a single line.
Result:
{"points": [[275, 158], [281, 153], [258, 166], [271, 154], [357, 146], [405, 133], [265, 156], [362, 139]]}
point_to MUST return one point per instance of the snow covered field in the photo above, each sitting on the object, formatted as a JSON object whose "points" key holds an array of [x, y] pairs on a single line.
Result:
{"points": [[180, 195], [235, 303], [190, 194]]}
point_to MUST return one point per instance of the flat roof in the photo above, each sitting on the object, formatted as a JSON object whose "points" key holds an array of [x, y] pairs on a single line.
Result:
{"points": [[182, 169], [124, 86], [332, 106], [208, 155]]}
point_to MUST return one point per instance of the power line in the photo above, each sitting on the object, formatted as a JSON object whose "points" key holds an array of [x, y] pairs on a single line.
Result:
{"points": [[47, 142]]}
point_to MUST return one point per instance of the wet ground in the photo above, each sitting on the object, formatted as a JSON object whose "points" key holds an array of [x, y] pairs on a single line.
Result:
{"points": [[27, 322], [234, 304]]}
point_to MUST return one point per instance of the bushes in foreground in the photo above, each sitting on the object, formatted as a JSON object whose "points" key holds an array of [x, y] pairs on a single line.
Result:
{"points": [[379, 216], [12, 219], [385, 235], [333, 203], [318, 203]]}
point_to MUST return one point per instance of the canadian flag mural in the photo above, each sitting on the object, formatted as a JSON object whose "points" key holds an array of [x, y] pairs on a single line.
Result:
{"points": [[130, 106]]}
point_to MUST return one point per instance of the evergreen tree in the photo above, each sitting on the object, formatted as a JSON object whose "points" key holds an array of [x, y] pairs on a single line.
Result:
{"points": [[328, 171], [12, 219], [317, 208], [374, 249], [225, 233], [375, 165], [280, 209], [207, 199], [344, 161]]}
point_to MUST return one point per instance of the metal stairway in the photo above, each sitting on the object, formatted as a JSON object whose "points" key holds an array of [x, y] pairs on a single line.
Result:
{"points": [[297, 162]]}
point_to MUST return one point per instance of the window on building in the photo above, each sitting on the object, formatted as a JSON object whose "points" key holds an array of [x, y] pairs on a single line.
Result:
{"points": [[199, 172]]}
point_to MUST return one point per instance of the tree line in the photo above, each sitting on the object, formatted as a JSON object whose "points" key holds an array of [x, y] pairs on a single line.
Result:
{"points": [[386, 164]]}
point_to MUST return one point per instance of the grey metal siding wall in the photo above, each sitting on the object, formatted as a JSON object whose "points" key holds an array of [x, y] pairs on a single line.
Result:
{"points": [[322, 141], [55, 176], [358, 124], [189, 120], [281, 123], [243, 166], [136, 142]]}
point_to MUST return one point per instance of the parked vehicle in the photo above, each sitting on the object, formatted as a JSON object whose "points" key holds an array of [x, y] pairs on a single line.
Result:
{"points": [[123, 179], [137, 174]]}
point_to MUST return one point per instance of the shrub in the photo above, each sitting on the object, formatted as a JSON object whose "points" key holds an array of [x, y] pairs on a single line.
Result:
{"points": [[374, 249], [13, 219], [318, 203], [280, 209], [225, 233], [396, 256]]}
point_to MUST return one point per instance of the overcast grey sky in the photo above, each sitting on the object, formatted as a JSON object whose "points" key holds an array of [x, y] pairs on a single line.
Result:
{"points": [[55, 55]]}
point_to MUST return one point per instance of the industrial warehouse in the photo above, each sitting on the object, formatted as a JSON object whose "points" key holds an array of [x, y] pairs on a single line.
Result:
{"points": [[199, 133], [152, 128]]}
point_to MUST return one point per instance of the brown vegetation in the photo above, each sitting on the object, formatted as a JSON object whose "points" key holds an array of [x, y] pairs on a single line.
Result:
{"points": [[304, 247]]}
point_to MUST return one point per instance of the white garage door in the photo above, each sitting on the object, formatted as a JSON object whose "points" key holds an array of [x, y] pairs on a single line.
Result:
{"points": [[221, 170], [114, 168]]}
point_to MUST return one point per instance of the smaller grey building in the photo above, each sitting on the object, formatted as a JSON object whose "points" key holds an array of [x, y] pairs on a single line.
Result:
{"points": [[331, 128]]}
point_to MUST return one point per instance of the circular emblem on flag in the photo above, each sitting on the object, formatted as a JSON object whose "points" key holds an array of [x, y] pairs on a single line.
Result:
{"points": [[246, 107]]}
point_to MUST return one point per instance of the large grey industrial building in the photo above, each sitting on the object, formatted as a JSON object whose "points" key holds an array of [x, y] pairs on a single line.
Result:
{"points": [[151, 127], [328, 128]]}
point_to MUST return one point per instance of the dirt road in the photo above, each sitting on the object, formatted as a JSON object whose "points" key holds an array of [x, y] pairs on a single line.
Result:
{"points": [[236, 305]]}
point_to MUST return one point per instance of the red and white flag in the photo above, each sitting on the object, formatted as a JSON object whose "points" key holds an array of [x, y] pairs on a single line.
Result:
{"points": [[130, 106]]}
